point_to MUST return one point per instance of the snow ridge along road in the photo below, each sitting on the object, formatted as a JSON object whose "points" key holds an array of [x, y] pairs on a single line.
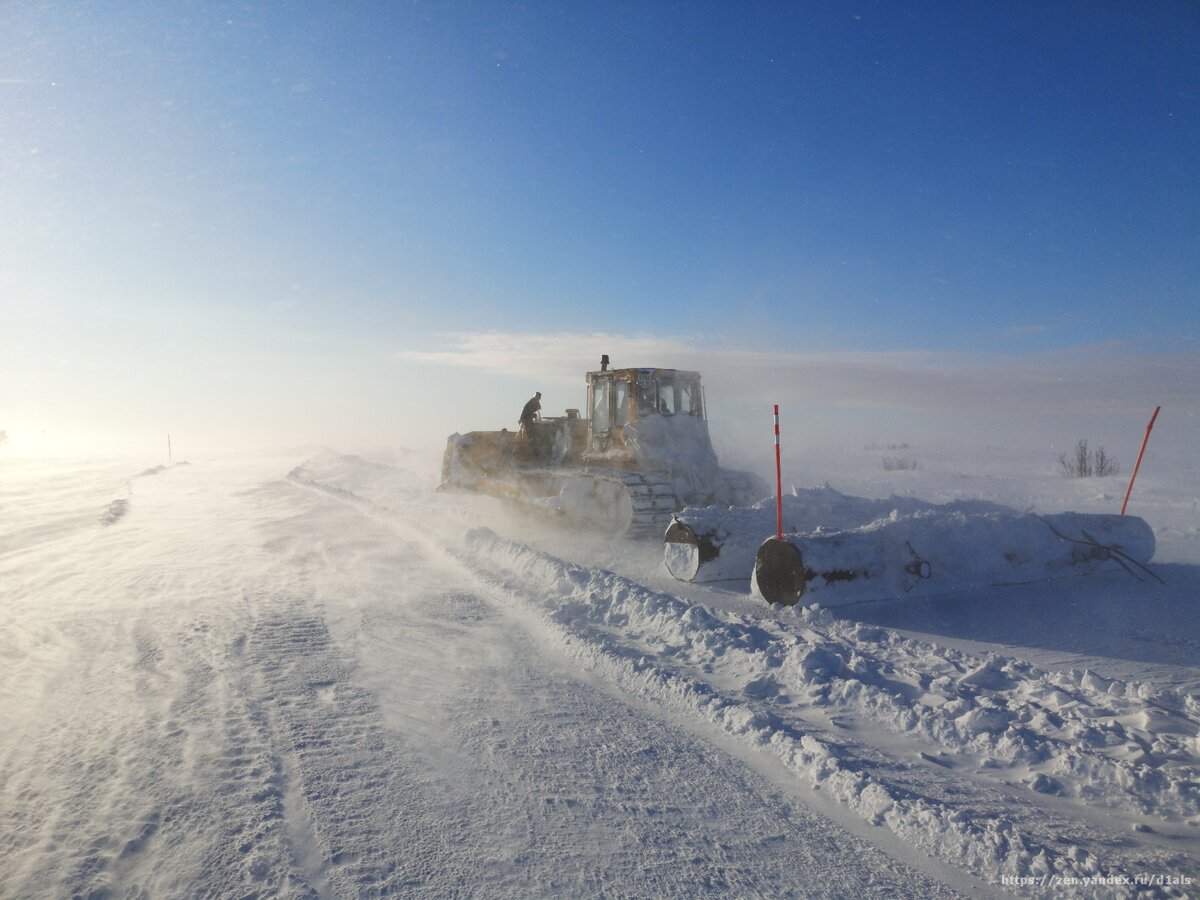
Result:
{"points": [[993, 765], [653, 645]]}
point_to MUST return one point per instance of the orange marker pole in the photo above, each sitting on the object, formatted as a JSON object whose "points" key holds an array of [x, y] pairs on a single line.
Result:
{"points": [[1137, 465], [778, 483]]}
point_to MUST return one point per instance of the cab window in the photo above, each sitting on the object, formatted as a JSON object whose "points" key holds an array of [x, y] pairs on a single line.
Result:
{"points": [[601, 419], [689, 398], [667, 403], [621, 395], [647, 394]]}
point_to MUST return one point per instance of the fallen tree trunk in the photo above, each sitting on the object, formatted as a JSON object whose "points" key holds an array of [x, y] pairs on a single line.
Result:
{"points": [[719, 543], [932, 553]]}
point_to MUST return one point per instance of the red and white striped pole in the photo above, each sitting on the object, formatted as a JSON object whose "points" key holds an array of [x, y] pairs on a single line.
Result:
{"points": [[1137, 465], [778, 483]]}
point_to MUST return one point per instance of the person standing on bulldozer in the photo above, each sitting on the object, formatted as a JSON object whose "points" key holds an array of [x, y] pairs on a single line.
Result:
{"points": [[530, 413]]}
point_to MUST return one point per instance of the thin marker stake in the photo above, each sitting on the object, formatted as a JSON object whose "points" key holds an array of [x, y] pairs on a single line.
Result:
{"points": [[1137, 465], [778, 483]]}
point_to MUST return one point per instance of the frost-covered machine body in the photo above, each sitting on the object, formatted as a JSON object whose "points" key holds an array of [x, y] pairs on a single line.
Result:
{"points": [[642, 452]]}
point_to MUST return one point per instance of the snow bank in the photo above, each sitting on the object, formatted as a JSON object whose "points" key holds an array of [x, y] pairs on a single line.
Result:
{"points": [[1048, 733]]}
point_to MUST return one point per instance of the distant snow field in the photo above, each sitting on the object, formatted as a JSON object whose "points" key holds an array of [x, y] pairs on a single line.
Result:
{"points": [[312, 675]]}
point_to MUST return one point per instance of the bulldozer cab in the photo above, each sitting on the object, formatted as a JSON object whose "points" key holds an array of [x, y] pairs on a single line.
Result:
{"points": [[619, 397]]}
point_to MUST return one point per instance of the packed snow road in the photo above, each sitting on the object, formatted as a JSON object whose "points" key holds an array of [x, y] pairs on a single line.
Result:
{"points": [[217, 680], [1012, 773]]}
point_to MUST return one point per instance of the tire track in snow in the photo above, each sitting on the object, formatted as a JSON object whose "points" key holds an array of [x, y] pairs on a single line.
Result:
{"points": [[144, 768], [236, 815], [356, 789]]}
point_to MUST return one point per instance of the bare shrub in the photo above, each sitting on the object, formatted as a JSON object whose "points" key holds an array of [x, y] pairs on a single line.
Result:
{"points": [[1077, 466], [898, 464], [1103, 464], [1085, 463]]}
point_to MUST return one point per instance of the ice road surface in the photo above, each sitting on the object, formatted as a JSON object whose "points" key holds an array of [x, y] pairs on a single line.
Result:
{"points": [[310, 675]]}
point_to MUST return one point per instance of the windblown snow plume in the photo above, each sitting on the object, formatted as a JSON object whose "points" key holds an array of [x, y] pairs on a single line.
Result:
{"points": [[683, 442]]}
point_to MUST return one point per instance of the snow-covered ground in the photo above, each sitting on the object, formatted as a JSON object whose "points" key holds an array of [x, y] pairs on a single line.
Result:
{"points": [[310, 674]]}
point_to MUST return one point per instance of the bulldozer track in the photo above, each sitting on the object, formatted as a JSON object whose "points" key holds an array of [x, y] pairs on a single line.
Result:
{"points": [[653, 500]]}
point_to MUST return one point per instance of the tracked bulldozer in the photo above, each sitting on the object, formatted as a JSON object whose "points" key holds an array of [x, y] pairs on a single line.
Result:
{"points": [[642, 453]]}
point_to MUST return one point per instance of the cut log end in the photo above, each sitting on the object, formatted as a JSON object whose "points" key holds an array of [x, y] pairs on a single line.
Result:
{"points": [[684, 551], [779, 572]]}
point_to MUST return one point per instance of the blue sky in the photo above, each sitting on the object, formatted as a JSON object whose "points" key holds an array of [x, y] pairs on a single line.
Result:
{"points": [[222, 215]]}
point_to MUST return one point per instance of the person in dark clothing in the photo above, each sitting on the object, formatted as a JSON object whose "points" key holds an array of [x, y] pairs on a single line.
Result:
{"points": [[530, 413]]}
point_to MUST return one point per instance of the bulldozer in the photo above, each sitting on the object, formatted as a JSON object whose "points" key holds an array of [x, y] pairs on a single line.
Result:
{"points": [[642, 453]]}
